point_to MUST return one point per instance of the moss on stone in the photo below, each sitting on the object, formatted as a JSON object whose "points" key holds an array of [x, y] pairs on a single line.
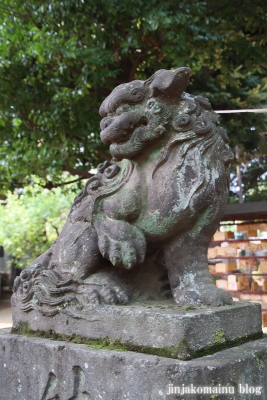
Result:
{"points": [[219, 336], [182, 351], [260, 361], [190, 308]]}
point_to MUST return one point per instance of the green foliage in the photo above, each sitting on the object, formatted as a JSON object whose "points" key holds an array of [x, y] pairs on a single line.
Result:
{"points": [[30, 222], [253, 167], [255, 179], [60, 59]]}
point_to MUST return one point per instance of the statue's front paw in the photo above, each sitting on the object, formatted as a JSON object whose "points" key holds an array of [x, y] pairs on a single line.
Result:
{"points": [[120, 253], [102, 288], [123, 245]]}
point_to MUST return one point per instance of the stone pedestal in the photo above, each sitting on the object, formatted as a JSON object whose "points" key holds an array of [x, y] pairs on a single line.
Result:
{"points": [[182, 332], [41, 369], [161, 336]]}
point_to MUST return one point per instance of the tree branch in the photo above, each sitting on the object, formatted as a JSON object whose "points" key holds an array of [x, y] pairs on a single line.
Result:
{"points": [[55, 229], [79, 172], [103, 153], [50, 185]]}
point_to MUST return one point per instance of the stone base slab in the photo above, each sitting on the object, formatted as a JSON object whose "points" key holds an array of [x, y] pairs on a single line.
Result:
{"points": [[162, 326], [42, 369]]}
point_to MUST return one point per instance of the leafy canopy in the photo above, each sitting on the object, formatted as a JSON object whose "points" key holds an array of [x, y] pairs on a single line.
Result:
{"points": [[60, 59]]}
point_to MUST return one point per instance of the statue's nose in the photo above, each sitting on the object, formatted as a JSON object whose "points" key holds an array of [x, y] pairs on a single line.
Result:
{"points": [[119, 128]]}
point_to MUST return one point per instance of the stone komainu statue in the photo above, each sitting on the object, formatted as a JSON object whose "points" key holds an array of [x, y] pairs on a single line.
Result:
{"points": [[163, 193]]}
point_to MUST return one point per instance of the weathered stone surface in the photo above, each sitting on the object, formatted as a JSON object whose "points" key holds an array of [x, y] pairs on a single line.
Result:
{"points": [[40, 369], [163, 192], [161, 325]]}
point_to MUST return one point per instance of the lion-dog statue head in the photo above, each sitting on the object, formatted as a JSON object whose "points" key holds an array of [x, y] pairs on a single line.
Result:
{"points": [[138, 112]]}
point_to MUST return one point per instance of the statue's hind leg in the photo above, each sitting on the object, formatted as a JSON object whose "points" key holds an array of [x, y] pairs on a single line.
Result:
{"points": [[189, 276], [72, 270], [77, 250], [79, 255]]}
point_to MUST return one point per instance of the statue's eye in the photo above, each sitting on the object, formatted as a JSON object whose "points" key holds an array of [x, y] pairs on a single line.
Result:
{"points": [[137, 93]]}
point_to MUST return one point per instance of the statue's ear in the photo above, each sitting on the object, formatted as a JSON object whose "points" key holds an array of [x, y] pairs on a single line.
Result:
{"points": [[169, 84]]}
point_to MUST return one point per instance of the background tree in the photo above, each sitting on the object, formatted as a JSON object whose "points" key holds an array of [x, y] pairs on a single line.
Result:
{"points": [[59, 60], [30, 221], [254, 175]]}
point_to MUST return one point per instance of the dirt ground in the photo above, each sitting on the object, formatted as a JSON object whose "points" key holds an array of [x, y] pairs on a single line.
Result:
{"points": [[5, 314]]}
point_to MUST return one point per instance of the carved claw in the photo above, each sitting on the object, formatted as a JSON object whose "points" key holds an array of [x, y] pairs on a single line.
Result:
{"points": [[92, 297], [121, 253], [102, 288], [121, 243]]}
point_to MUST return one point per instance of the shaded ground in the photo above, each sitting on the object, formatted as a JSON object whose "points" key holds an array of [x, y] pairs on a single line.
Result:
{"points": [[5, 314]]}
